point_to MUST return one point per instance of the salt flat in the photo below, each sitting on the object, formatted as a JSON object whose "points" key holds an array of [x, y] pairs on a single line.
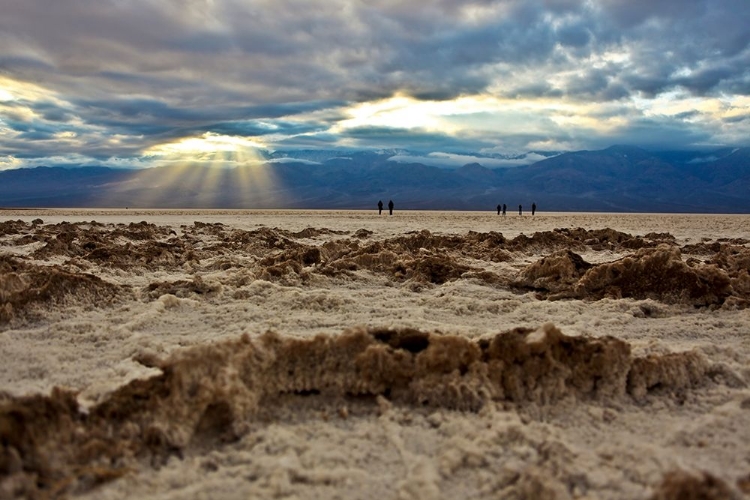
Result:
{"points": [[644, 372]]}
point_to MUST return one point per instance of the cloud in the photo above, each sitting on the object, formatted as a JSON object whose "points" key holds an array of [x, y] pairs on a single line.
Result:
{"points": [[656, 133], [110, 80], [413, 138], [453, 160], [292, 160], [256, 128], [575, 35]]}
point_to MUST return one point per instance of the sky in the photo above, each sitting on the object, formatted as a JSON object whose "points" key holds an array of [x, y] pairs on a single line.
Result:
{"points": [[142, 83]]}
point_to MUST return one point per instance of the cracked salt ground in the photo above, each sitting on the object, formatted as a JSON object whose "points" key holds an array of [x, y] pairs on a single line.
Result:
{"points": [[171, 386]]}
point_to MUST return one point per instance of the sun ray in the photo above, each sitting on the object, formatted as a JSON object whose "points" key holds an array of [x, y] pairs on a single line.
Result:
{"points": [[208, 171]]}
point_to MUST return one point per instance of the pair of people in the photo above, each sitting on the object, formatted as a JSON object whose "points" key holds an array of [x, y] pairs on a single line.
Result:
{"points": [[380, 207]]}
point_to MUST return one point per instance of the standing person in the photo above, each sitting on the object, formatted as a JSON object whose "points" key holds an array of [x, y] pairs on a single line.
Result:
{"points": [[505, 208], [390, 207], [533, 208], [380, 207], [520, 210], [499, 207]]}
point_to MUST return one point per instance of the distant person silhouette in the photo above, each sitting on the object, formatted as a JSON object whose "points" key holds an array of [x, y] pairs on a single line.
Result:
{"points": [[499, 207], [505, 208], [390, 207], [380, 207], [533, 208], [520, 210]]}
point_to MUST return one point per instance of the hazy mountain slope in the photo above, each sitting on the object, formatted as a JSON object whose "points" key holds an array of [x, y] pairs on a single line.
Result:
{"points": [[729, 175], [56, 186], [619, 178]]}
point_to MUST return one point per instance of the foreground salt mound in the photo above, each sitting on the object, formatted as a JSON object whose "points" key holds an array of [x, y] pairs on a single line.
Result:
{"points": [[207, 395]]}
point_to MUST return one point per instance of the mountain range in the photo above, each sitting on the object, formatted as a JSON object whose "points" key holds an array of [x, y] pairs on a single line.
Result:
{"points": [[616, 179]]}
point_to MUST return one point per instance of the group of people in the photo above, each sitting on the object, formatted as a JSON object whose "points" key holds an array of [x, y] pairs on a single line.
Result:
{"points": [[502, 209], [380, 207]]}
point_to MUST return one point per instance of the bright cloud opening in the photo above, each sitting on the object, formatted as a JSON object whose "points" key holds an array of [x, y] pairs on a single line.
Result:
{"points": [[207, 143], [204, 169], [483, 113]]}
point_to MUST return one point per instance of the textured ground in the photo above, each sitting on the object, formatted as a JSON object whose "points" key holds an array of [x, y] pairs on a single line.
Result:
{"points": [[345, 355]]}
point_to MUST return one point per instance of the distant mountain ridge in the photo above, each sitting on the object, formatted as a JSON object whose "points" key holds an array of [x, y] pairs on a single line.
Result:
{"points": [[619, 178]]}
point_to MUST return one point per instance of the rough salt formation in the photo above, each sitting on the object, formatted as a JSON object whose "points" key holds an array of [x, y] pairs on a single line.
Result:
{"points": [[208, 394], [651, 273], [658, 274], [653, 269], [555, 273], [681, 485], [27, 289], [400, 413]]}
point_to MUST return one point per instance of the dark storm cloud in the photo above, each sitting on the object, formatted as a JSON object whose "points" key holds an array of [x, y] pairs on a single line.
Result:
{"points": [[574, 35], [53, 113], [310, 141], [709, 39], [414, 139], [445, 58], [13, 64], [36, 135], [705, 80], [153, 109], [656, 133], [534, 90], [38, 126], [249, 128], [158, 121], [737, 119], [596, 84], [427, 47], [156, 71]]}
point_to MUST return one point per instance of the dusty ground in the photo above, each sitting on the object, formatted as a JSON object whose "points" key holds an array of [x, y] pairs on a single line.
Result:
{"points": [[168, 354]]}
